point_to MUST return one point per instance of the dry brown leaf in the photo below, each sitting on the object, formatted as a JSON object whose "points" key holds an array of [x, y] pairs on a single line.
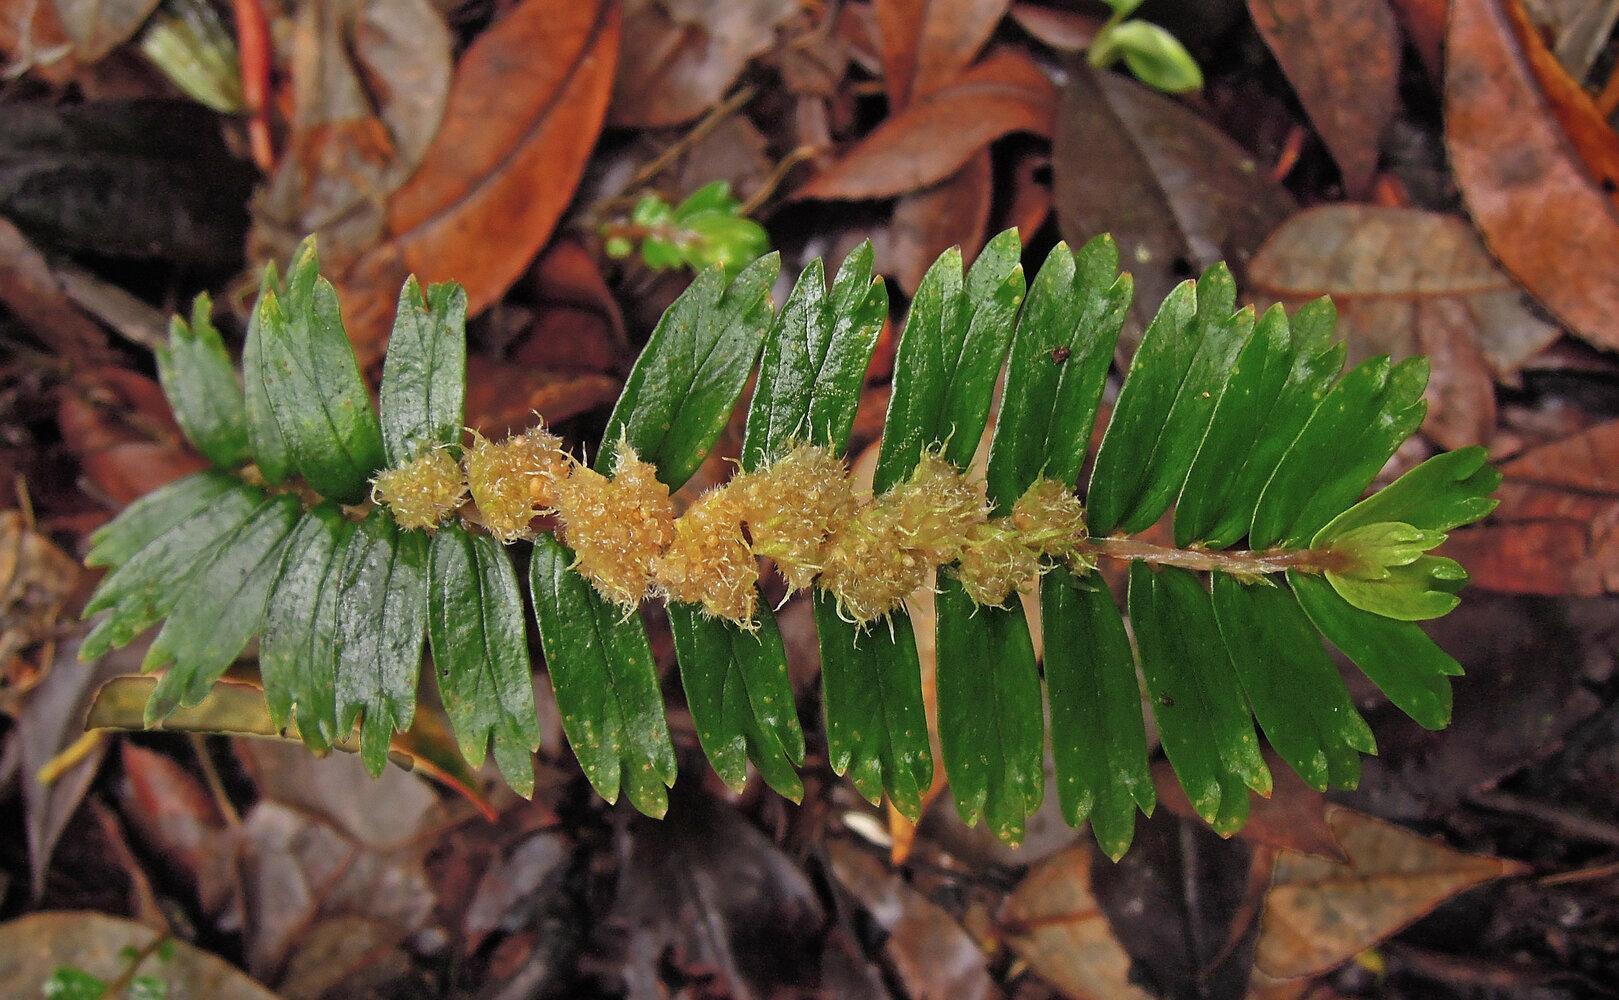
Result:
{"points": [[524, 111], [33, 295], [503, 397], [925, 223], [678, 57], [1399, 276], [1176, 192], [1320, 913], [927, 43], [937, 134], [1343, 59], [1536, 163], [36, 579], [99, 26], [1293, 818], [1063, 30], [1053, 922], [118, 425]]}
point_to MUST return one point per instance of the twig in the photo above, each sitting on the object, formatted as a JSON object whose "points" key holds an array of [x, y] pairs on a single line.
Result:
{"points": [[1236, 563], [1565, 821], [711, 121]]}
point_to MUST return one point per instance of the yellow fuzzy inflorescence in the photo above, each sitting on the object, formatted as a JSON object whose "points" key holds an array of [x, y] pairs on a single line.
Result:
{"points": [[801, 511]]}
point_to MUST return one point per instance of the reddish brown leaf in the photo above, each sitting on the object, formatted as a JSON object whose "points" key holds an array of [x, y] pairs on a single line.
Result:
{"points": [[1424, 23], [678, 57], [1293, 817], [180, 823], [575, 324], [1320, 913], [524, 110], [99, 26], [503, 397], [1537, 164], [1343, 59], [118, 425], [927, 43], [29, 290], [1399, 276], [937, 134], [1064, 30], [953, 212]]}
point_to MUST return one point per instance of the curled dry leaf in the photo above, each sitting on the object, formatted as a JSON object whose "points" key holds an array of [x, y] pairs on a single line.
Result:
{"points": [[938, 133], [1343, 59], [1176, 192], [679, 57], [928, 950], [1537, 164], [1054, 923], [927, 43], [1321, 913], [524, 110]]}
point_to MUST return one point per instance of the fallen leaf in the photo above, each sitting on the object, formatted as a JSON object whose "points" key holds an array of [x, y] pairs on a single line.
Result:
{"points": [[1176, 192], [1536, 163], [99, 26], [503, 397], [36, 579], [118, 425], [511, 884], [33, 41], [1320, 913], [29, 290], [929, 952], [938, 133], [574, 322], [925, 223], [1424, 24], [1343, 59], [180, 824], [1576, 30], [679, 57], [1063, 30], [1293, 817], [1403, 280], [1053, 922], [927, 43], [32, 948], [525, 106]]}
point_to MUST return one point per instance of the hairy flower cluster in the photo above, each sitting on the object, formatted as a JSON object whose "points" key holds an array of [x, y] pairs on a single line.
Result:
{"points": [[801, 511]]}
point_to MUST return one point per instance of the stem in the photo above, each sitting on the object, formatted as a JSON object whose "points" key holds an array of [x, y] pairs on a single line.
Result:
{"points": [[1235, 562]]}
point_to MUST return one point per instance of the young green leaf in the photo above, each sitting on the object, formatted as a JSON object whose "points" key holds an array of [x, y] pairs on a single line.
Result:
{"points": [[1163, 409], [686, 382], [142, 590], [1207, 732], [740, 697], [220, 609], [298, 652], [815, 360], [270, 451], [1155, 56], [1278, 380], [480, 650], [991, 727], [1398, 656], [381, 622], [1060, 358], [1442, 493], [606, 687], [201, 387], [1098, 738], [424, 377], [949, 357], [313, 385], [871, 688]]}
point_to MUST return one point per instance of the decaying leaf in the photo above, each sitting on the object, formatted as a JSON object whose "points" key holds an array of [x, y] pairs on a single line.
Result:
{"points": [[678, 57], [1537, 164], [36, 578], [99, 26], [1343, 59], [1053, 922], [926, 43], [1294, 817], [1321, 913], [524, 108]]}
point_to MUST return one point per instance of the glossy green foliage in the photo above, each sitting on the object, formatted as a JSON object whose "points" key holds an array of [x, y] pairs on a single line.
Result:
{"points": [[1240, 429]]}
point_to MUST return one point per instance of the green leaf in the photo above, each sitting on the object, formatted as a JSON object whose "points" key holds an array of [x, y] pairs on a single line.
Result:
{"points": [[1347, 440], [991, 726], [1294, 687], [1060, 358], [1278, 380], [949, 357], [1164, 406], [270, 450], [480, 649], [1442, 493], [606, 687], [1207, 732], [70, 982], [147, 988], [1155, 56], [740, 697], [1421, 588], [143, 521], [298, 652], [201, 387], [219, 610], [313, 385], [1098, 738], [686, 382], [1398, 656], [142, 590], [381, 622], [424, 377], [815, 360], [871, 689]]}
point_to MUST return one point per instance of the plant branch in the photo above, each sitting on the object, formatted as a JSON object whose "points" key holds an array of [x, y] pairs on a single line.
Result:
{"points": [[1239, 562]]}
